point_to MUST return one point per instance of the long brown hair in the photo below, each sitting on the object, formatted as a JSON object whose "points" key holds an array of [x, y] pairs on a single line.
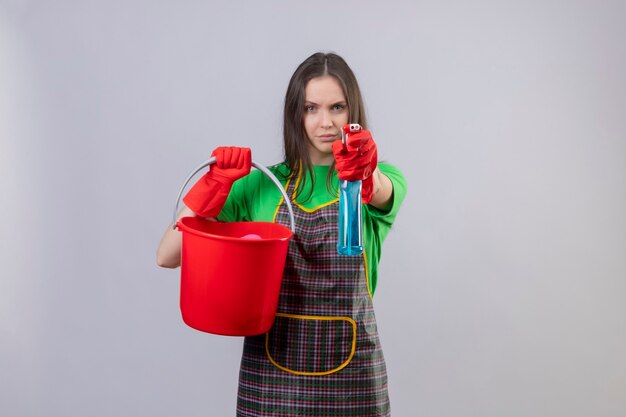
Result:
{"points": [[295, 140]]}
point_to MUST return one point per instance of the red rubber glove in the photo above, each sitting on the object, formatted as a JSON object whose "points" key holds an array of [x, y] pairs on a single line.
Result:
{"points": [[207, 197], [357, 161]]}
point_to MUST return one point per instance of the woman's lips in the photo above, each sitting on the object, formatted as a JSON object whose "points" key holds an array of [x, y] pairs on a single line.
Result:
{"points": [[328, 138]]}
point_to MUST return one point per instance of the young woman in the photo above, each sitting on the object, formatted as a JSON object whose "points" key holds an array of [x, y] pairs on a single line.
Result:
{"points": [[322, 356]]}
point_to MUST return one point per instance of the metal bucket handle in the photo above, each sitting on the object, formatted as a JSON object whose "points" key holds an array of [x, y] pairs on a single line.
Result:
{"points": [[254, 164]]}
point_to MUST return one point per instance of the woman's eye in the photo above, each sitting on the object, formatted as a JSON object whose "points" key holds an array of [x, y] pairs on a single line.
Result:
{"points": [[309, 109], [339, 107]]}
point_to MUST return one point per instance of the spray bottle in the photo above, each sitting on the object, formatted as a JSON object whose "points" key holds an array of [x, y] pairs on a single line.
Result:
{"points": [[350, 240]]}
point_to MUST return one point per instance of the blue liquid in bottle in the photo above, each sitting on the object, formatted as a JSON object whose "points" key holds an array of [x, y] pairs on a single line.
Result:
{"points": [[350, 222]]}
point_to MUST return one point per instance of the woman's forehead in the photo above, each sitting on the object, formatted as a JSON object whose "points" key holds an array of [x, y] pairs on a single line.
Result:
{"points": [[324, 89]]}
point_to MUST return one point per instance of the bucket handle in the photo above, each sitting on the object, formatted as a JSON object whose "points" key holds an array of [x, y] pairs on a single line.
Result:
{"points": [[254, 164]]}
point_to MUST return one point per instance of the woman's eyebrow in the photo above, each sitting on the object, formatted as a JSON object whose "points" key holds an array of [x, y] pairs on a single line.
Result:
{"points": [[342, 102]]}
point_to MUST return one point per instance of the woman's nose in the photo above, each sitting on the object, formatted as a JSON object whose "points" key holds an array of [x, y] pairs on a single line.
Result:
{"points": [[327, 121]]}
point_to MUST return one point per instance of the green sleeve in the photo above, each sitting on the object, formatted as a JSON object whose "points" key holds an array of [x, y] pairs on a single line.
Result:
{"points": [[377, 223], [387, 217]]}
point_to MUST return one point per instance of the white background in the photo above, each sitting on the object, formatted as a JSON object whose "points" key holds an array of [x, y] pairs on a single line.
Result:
{"points": [[502, 286]]}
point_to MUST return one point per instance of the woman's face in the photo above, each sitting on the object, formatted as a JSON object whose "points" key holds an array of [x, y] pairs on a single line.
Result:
{"points": [[325, 113]]}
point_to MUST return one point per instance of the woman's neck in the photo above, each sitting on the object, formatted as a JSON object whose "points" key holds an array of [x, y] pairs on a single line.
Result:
{"points": [[326, 160]]}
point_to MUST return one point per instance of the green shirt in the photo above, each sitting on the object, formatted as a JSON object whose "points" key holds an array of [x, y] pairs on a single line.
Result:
{"points": [[256, 198]]}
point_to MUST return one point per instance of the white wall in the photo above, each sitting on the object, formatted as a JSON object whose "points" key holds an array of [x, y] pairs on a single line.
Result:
{"points": [[502, 286]]}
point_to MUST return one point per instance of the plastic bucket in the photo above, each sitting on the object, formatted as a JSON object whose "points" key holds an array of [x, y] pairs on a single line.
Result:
{"points": [[231, 272]]}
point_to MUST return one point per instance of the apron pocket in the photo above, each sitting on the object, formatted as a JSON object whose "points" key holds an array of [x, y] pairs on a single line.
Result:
{"points": [[311, 345]]}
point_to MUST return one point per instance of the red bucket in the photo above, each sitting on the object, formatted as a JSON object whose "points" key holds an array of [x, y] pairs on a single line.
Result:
{"points": [[231, 272], [229, 284]]}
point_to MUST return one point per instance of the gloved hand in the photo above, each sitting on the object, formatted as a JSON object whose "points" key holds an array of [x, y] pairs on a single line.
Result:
{"points": [[357, 161], [207, 197]]}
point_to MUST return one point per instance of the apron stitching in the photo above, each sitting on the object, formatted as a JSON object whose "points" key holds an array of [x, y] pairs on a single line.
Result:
{"points": [[324, 318]]}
